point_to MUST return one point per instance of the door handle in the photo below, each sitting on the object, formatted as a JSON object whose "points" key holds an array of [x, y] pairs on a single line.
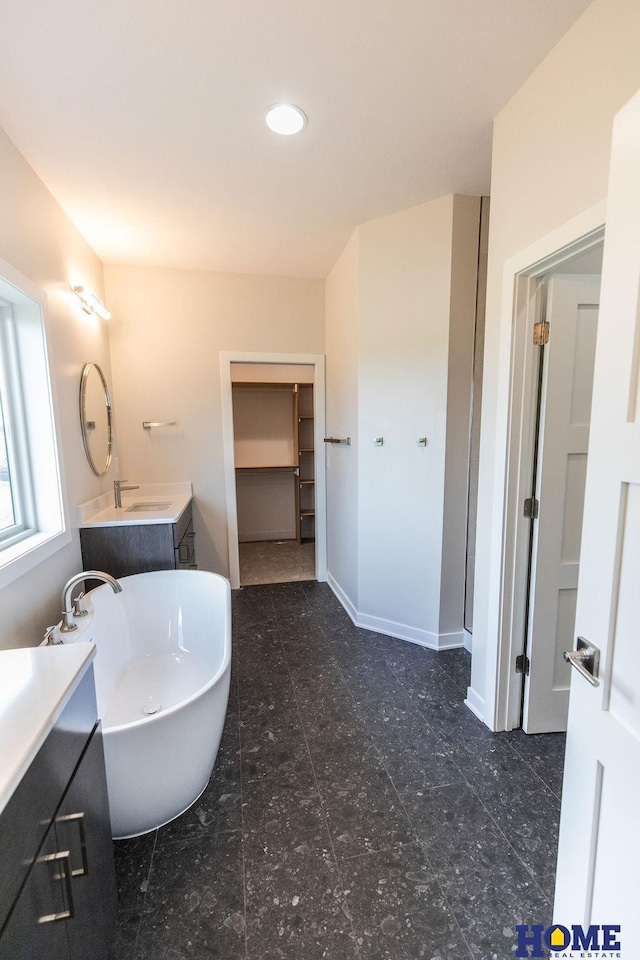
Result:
{"points": [[586, 659]]}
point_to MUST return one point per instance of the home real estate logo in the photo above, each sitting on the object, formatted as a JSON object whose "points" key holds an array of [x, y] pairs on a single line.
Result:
{"points": [[597, 942]]}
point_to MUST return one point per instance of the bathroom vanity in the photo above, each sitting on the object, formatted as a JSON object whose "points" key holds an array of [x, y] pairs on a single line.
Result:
{"points": [[153, 530], [57, 877]]}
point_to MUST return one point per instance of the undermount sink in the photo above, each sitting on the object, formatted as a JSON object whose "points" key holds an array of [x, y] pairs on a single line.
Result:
{"points": [[140, 507]]}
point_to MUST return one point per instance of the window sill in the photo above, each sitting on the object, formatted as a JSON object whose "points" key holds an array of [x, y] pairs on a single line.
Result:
{"points": [[23, 556]]}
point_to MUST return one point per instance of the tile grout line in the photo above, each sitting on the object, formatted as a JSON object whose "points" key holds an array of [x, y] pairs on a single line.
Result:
{"points": [[484, 806], [244, 870], [535, 773], [418, 715], [315, 780], [466, 780], [409, 820], [144, 899]]}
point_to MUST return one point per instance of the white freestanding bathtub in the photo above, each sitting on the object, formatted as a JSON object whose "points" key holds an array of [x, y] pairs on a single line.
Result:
{"points": [[162, 671]]}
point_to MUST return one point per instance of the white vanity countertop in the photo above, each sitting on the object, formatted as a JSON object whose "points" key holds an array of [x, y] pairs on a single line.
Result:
{"points": [[36, 684], [172, 499]]}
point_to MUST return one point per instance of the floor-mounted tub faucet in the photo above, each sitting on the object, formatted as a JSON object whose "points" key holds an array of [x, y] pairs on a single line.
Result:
{"points": [[68, 623], [117, 492]]}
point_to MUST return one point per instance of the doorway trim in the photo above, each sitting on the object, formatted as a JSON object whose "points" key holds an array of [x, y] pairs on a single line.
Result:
{"points": [[504, 612], [298, 359]]}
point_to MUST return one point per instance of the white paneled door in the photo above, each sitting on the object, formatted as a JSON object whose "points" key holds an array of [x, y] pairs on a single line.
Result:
{"points": [[572, 312], [598, 879]]}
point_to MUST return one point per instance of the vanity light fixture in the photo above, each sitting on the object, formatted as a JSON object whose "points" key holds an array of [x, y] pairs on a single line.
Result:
{"points": [[91, 303], [285, 119]]}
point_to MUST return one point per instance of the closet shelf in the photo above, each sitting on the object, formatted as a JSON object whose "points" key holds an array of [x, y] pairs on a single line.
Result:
{"points": [[262, 387], [269, 466]]}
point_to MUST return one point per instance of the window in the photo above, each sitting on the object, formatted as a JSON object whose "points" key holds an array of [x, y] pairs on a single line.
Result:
{"points": [[7, 508], [32, 510], [16, 501]]}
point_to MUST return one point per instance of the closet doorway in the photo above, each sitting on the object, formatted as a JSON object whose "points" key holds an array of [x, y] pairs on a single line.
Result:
{"points": [[273, 413]]}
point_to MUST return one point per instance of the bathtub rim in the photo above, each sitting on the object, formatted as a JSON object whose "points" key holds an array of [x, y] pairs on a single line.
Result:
{"points": [[217, 676]]}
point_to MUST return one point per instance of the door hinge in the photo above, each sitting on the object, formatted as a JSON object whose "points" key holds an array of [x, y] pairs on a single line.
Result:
{"points": [[523, 664], [541, 333], [531, 508]]}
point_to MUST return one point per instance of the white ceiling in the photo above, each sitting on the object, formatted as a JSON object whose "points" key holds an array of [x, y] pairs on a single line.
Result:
{"points": [[145, 117]]}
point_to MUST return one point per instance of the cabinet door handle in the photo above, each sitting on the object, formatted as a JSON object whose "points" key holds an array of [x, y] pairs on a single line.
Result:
{"points": [[79, 819], [62, 857], [186, 556]]}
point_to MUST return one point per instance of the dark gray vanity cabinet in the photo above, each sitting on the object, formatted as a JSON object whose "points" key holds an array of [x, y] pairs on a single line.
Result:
{"points": [[57, 876], [140, 547]]}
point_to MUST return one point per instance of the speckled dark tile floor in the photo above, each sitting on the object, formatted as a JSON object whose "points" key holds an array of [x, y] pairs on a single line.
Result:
{"points": [[357, 809]]}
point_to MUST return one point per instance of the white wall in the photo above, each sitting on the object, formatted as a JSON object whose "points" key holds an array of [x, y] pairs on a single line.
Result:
{"points": [[266, 506], [40, 241], [462, 310], [403, 284], [167, 332], [342, 421], [550, 165]]}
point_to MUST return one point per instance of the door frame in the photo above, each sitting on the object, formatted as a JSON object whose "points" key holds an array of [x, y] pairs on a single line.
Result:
{"points": [[522, 275], [297, 359]]}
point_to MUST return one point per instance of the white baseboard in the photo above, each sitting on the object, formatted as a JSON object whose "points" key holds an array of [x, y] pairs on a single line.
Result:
{"points": [[342, 597], [389, 628], [267, 535], [468, 641], [475, 703]]}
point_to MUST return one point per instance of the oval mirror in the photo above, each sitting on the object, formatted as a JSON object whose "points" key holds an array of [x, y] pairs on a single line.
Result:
{"points": [[95, 418]]}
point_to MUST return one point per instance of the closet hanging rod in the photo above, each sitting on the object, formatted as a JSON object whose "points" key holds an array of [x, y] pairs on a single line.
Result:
{"points": [[346, 440]]}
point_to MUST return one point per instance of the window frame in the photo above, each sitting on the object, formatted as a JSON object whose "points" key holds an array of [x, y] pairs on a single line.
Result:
{"points": [[34, 450], [15, 435]]}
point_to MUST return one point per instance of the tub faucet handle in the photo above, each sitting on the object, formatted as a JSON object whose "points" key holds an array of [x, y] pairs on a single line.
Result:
{"points": [[50, 637], [79, 609]]}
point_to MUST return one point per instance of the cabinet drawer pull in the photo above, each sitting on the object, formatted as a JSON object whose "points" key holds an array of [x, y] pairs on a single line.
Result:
{"points": [[65, 874], [79, 819]]}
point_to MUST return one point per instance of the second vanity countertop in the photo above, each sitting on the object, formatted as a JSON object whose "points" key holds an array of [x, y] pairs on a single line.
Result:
{"points": [[161, 503], [36, 683]]}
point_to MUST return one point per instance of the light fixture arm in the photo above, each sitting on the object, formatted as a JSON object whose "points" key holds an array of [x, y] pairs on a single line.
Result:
{"points": [[91, 303]]}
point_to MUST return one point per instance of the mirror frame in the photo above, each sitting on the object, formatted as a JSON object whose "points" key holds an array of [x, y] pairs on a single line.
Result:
{"points": [[86, 370]]}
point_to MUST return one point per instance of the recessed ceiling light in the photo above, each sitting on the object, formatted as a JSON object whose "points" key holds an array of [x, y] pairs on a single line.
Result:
{"points": [[285, 119]]}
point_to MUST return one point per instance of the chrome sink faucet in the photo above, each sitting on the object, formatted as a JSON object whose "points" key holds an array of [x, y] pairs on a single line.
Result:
{"points": [[68, 623], [117, 492]]}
